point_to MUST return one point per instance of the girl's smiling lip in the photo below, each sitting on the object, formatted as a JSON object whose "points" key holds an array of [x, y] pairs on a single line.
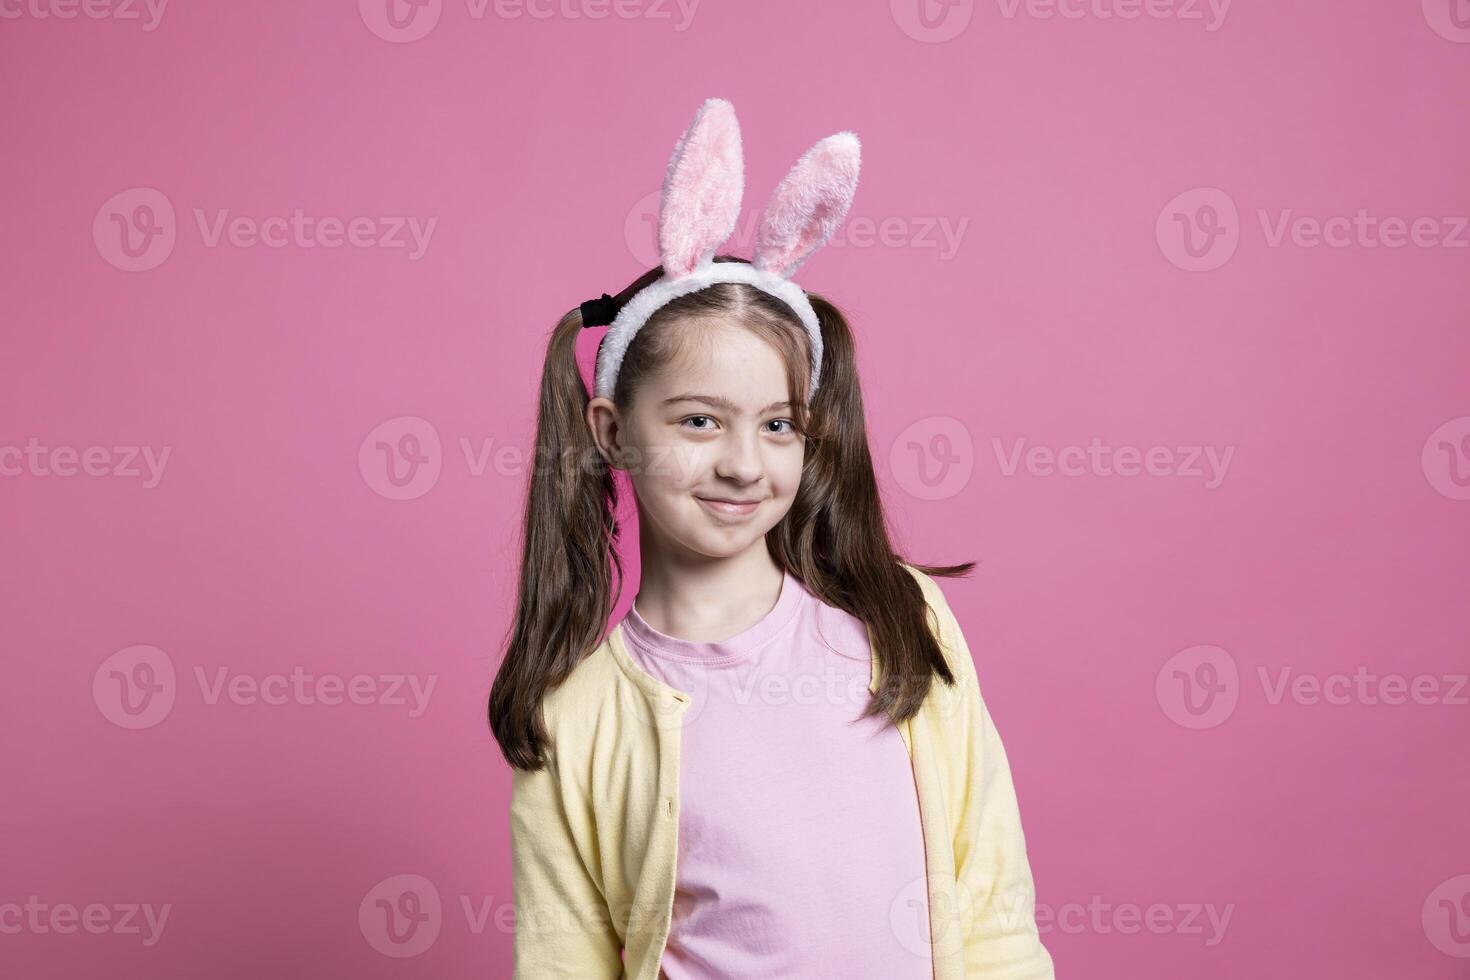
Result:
{"points": [[727, 507]]}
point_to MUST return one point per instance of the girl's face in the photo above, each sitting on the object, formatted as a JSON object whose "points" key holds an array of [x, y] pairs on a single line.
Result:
{"points": [[709, 445]]}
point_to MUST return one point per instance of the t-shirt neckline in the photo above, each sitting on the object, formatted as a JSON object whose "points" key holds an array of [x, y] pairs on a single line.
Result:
{"points": [[654, 643]]}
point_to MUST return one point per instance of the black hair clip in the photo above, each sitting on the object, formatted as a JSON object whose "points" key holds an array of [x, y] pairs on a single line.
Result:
{"points": [[599, 312]]}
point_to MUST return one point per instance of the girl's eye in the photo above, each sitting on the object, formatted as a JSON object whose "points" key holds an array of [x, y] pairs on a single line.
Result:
{"points": [[689, 423]]}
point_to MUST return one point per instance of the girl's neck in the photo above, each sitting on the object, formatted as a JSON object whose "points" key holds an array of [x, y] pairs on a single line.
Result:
{"points": [[704, 599]]}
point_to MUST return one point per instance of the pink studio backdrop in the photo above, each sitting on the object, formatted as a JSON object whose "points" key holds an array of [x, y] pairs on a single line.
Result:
{"points": [[1162, 312]]}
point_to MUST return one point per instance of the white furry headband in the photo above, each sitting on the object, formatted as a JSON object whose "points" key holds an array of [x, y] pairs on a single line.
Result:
{"points": [[698, 211]]}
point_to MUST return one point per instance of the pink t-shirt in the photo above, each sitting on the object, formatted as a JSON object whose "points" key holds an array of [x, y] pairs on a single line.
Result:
{"points": [[800, 853]]}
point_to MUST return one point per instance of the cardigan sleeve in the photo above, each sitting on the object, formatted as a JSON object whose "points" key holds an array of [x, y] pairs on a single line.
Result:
{"points": [[1001, 939], [562, 925]]}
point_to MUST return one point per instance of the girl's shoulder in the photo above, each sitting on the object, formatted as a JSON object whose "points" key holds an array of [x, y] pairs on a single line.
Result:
{"points": [[603, 687], [926, 583], [946, 627], [933, 594], [588, 683]]}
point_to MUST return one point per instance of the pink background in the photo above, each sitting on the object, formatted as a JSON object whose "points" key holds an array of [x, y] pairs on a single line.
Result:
{"points": [[1122, 624]]}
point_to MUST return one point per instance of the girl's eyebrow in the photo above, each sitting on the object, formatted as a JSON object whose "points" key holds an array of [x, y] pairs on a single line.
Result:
{"points": [[719, 402]]}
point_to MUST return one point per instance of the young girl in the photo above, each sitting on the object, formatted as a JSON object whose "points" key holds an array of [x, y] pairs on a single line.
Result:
{"points": [[778, 762]]}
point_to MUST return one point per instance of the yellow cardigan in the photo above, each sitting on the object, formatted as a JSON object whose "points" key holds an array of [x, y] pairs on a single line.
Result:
{"points": [[594, 833]]}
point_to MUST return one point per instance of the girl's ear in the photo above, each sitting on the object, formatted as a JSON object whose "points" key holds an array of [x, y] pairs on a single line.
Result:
{"points": [[702, 191], [808, 205]]}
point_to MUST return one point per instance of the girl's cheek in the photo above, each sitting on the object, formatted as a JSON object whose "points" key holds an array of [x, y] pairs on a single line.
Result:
{"points": [[694, 458], [678, 465]]}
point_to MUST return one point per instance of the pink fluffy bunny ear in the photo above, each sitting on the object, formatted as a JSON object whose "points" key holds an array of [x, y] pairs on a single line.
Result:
{"points": [[701, 194], [808, 205]]}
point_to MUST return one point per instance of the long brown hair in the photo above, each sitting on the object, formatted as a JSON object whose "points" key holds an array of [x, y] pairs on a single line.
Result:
{"points": [[834, 539]]}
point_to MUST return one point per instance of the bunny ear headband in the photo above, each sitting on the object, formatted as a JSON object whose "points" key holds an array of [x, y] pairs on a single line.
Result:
{"points": [[697, 213]]}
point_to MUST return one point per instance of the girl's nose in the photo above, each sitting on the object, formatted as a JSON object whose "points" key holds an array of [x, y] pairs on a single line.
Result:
{"points": [[740, 458]]}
